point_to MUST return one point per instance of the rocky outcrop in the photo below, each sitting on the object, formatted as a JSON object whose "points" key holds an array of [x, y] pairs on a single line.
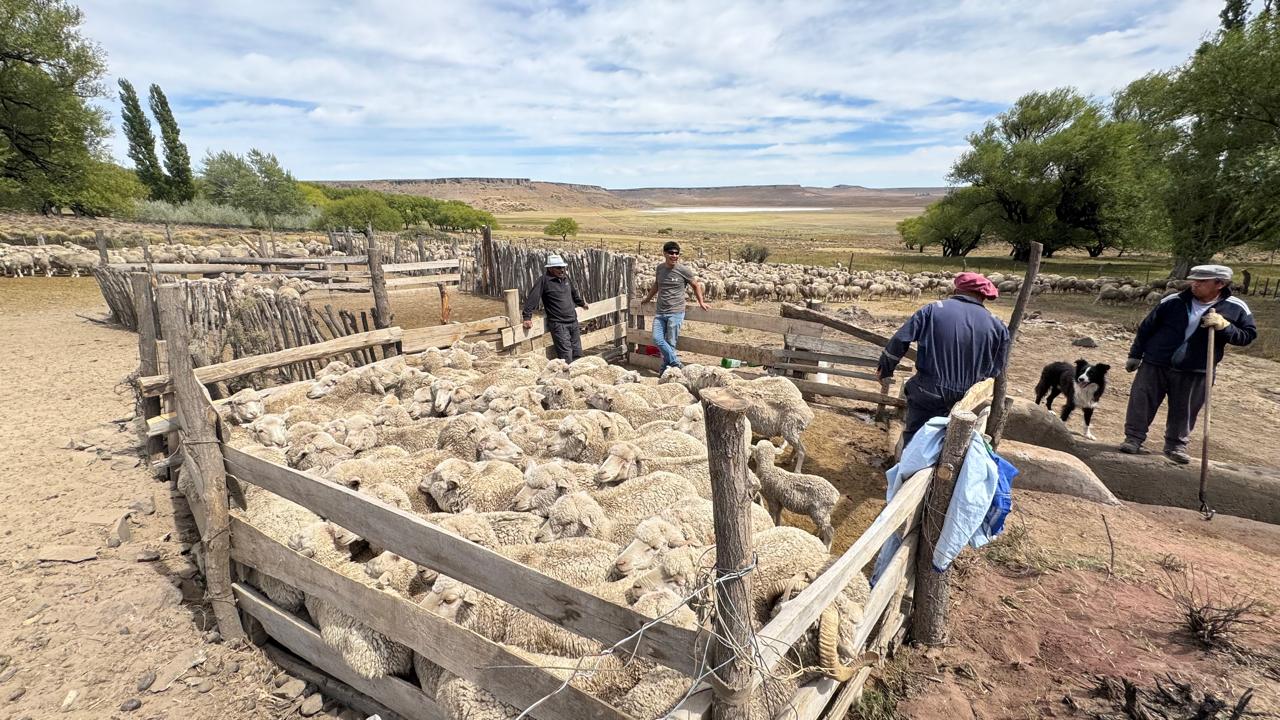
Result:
{"points": [[1054, 471]]}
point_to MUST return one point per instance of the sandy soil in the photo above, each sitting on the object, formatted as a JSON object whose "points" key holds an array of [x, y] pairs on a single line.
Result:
{"points": [[94, 628]]}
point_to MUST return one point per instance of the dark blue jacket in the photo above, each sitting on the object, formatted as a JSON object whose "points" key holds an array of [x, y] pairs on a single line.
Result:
{"points": [[558, 297], [958, 343], [1164, 330]]}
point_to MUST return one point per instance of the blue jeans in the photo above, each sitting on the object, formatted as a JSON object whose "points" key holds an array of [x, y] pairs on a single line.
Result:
{"points": [[666, 333]]}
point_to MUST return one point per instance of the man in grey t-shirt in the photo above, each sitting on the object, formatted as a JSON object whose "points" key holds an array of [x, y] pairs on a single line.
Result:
{"points": [[672, 277]]}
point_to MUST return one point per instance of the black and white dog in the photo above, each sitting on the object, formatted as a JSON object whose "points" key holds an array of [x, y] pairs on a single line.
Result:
{"points": [[1081, 385]]}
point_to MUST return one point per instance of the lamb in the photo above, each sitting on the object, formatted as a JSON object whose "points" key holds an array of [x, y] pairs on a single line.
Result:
{"points": [[459, 485], [269, 430], [317, 451], [776, 407], [613, 513], [688, 523], [244, 407], [624, 400], [809, 495], [544, 482], [692, 422]]}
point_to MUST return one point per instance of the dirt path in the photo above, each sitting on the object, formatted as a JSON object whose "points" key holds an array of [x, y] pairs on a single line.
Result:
{"points": [[94, 628]]}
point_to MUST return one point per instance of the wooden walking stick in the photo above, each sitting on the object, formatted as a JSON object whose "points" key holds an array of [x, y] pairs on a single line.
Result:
{"points": [[1209, 372]]}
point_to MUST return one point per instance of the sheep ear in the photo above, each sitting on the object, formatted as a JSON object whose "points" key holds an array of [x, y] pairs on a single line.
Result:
{"points": [[564, 483], [450, 484]]}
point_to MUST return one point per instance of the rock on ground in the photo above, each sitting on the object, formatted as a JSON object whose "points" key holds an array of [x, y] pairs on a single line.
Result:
{"points": [[1054, 471]]}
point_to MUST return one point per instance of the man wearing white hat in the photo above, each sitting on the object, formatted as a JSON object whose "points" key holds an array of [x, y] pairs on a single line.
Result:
{"points": [[1169, 352], [559, 297]]}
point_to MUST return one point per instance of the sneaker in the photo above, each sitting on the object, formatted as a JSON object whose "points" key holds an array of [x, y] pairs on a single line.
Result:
{"points": [[1131, 447], [1178, 456]]}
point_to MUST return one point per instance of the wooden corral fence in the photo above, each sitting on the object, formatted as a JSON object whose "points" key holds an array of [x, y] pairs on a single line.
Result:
{"points": [[813, 342], [216, 471], [500, 266]]}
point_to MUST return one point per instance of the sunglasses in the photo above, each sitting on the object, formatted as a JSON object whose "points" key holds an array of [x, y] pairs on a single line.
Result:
{"points": [[674, 252]]}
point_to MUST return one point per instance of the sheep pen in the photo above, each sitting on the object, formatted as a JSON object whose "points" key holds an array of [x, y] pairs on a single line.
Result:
{"points": [[373, 520]]}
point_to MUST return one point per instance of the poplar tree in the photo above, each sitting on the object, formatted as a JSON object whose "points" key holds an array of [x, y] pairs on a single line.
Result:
{"points": [[180, 183], [142, 143]]}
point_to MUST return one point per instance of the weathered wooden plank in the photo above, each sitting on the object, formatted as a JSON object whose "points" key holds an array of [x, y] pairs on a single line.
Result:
{"points": [[412, 537], [424, 265], [834, 347], [304, 641], [516, 333], [837, 323], [738, 318], [325, 684], [296, 262], [184, 268], [714, 348], [201, 458], [419, 339], [810, 700], [791, 354], [160, 384], [848, 695], [797, 615], [842, 372], [458, 650], [891, 582], [817, 388]]}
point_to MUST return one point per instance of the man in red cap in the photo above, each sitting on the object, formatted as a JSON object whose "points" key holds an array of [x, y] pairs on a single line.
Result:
{"points": [[958, 343]]}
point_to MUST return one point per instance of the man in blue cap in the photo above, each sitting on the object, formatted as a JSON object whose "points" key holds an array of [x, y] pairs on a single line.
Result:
{"points": [[1169, 352], [559, 297]]}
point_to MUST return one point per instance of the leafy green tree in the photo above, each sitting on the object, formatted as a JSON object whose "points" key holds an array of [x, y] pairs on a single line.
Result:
{"points": [[49, 132], [1055, 169], [562, 227], [357, 210], [457, 216], [180, 183], [1234, 14], [229, 179], [110, 190], [415, 209], [142, 143], [959, 223], [276, 192], [1212, 127]]}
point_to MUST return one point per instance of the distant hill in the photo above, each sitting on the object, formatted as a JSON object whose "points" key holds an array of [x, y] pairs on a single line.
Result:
{"points": [[785, 196], [499, 195], [506, 195]]}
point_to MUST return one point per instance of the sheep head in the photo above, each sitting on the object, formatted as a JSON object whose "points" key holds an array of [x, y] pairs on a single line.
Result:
{"points": [[542, 485], [269, 430], [654, 537], [623, 463], [245, 406], [602, 398], [764, 454], [449, 599], [573, 437], [663, 603], [322, 386], [575, 515], [443, 484], [495, 445], [472, 527], [678, 571], [442, 395], [556, 368], [673, 375]]}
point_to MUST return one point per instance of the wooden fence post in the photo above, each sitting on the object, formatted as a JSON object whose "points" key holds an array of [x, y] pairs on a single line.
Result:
{"points": [[999, 405], [101, 239], [929, 618], [731, 497], [511, 298], [445, 311], [201, 456], [490, 274], [145, 310], [382, 316]]}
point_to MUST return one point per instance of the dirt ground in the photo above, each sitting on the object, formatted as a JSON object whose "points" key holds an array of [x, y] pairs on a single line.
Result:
{"points": [[83, 619], [82, 623]]}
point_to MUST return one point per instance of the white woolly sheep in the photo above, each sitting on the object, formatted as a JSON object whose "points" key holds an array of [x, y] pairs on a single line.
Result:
{"points": [[546, 481], [391, 412], [244, 406], [357, 432], [459, 485], [613, 513], [269, 430], [629, 454], [809, 495], [317, 451], [691, 522]]}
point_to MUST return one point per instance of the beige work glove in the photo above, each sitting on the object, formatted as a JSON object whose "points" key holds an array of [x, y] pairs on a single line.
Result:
{"points": [[1214, 320]]}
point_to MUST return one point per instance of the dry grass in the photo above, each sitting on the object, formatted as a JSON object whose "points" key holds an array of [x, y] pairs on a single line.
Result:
{"points": [[1213, 621]]}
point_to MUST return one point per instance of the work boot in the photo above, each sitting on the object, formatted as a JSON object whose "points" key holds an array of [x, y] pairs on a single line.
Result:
{"points": [[1179, 456], [1131, 447]]}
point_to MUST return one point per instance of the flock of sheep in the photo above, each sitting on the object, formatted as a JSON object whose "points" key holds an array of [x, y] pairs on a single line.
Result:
{"points": [[584, 471]]}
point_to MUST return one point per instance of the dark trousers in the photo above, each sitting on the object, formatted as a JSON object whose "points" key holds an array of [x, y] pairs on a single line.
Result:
{"points": [[567, 338], [1151, 386], [924, 404]]}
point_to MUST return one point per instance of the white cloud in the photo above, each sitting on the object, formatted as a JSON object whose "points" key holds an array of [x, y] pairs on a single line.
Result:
{"points": [[647, 92]]}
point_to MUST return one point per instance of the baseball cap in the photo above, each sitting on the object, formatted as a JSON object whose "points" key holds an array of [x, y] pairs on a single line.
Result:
{"points": [[1210, 272]]}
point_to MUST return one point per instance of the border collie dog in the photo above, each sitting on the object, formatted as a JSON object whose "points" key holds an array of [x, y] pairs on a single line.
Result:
{"points": [[1081, 385]]}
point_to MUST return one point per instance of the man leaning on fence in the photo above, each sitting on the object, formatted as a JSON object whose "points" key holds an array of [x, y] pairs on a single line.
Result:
{"points": [[671, 279], [559, 297], [959, 343]]}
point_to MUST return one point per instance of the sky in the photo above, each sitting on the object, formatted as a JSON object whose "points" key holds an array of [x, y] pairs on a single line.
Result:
{"points": [[623, 94]]}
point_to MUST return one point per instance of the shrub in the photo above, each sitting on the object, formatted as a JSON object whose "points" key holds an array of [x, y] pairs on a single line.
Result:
{"points": [[753, 252], [664, 231], [203, 212]]}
